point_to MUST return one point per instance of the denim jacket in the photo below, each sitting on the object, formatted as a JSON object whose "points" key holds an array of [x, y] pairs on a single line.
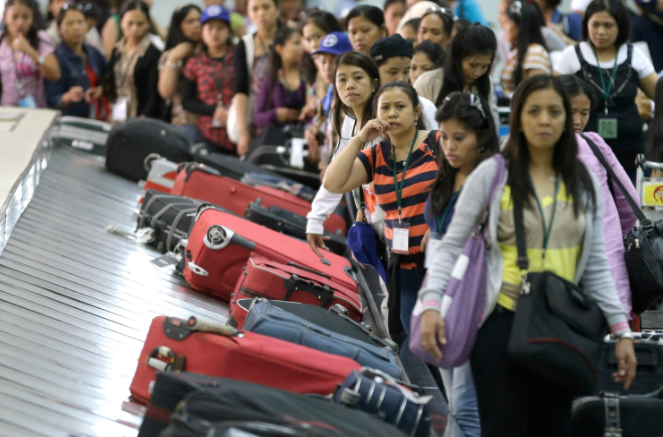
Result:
{"points": [[74, 74]]}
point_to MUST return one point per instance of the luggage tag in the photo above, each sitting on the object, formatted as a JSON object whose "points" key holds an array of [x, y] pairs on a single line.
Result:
{"points": [[169, 259], [400, 242], [27, 102], [607, 126], [297, 152], [120, 109], [431, 249]]}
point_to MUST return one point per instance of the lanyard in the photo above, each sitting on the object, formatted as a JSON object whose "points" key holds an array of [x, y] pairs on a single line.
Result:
{"points": [[606, 91], [218, 78], [441, 219], [399, 190], [19, 78], [546, 233]]}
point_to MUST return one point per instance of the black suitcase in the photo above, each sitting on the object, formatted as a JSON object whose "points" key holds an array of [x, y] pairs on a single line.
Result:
{"points": [[129, 144], [230, 166], [649, 374], [290, 223], [207, 403], [611, 415]]}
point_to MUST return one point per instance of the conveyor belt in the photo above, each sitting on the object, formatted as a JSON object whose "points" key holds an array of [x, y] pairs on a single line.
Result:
{"points": [[76, 305]]}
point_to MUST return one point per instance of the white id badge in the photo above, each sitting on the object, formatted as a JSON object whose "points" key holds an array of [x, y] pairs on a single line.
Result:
{"points": [[431, 250], [120, 109], [400, 242], [27, 102]]}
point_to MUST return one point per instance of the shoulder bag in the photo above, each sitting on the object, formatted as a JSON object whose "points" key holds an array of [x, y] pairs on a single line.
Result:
{"points": [[232, 126]]}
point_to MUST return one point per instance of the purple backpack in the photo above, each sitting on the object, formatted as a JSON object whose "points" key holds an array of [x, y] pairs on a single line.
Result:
{"points": [[463, 300]]}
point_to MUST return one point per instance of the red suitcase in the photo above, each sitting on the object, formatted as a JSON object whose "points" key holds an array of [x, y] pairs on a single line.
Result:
{"points": [[291, 282], [207, 184], [221, 351], [220, 245]]}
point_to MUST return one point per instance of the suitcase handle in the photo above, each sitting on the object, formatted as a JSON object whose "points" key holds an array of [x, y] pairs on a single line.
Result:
{"points": [[194, 166], [323, 293], [212, 327], [310, 270]]}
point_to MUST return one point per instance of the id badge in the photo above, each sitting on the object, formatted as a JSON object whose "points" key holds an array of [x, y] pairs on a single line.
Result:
{"points": [[216, 123], [120, 109], [431, 250], [607, 126], [400, 242], [27, 102]]}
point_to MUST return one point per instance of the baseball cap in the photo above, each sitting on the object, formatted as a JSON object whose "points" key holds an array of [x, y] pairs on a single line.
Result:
{"points": [[391, 47], [215, 12], [335, 43]]}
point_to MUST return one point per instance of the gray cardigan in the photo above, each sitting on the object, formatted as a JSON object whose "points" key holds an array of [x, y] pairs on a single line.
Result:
{"points": [[592, 267]]}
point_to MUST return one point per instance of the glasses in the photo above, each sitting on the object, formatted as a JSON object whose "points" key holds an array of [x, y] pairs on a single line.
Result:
{"points": [[75, 7], [471, 99], [442, 10], [516, 8]]}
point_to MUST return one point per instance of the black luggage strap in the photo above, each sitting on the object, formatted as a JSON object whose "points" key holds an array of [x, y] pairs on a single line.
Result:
{"points": [[323, 293], [315, 272], [612, 425]]}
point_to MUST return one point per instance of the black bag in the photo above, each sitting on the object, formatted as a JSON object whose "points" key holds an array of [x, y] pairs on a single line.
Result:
{"points": [[280, 182], [558, 330], [129, 144], [206, 403], [644, 250], [272, 147], [228, 165], [611, 415]]}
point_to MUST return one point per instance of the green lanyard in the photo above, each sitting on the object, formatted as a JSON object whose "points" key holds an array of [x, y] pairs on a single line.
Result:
{"points": [[447, 209], [399, 190], [608, 90], [546, 233]]}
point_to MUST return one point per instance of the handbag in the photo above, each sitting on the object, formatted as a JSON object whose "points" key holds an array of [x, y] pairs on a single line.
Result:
{"points": [[644, 249], [558, 329], [232, 125], [463, 300]]}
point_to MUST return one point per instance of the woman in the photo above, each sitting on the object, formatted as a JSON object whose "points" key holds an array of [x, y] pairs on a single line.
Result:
{"points": [[26, 58], [436, 25], [427, 56], [365, 26], [209, 81], [312, 29], [133, 66], [184, 41], [529, 55], [541, 163], [656, 131], [251, 59], [468, 136], [409, 30], [393, 12], [112, 31], [567, 27], [92, 36], [406, 149], [80, 90], [618, 217], [616, 70]]}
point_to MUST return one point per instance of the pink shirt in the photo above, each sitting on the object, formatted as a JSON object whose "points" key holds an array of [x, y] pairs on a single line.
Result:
{"points": [[32, 80]]}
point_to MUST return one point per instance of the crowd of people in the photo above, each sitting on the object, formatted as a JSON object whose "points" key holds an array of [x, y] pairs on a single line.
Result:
{"points": [[400, 106]]}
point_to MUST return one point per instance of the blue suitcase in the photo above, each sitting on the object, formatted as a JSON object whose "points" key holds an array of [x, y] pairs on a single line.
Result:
{"points": [[267, 319]]}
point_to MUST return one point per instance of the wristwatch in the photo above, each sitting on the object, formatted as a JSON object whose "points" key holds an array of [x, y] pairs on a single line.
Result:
{"points": [[41, 60]]}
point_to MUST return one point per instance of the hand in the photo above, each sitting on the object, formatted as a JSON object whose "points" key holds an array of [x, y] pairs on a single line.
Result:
{"points": [[221, 115], [93, 94], [372, 130], [627, 363], [424, 241], [285, 115], [313, 153], [308, 111], [310, 135], [317, 241], [243, 144], [74, 95], [21, 44], [181, 51], [432, 331]]}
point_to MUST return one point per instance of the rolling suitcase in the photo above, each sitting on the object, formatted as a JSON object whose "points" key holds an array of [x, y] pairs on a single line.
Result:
{"points": [[220, 245], [291, 282], [280, 182], [239, 309], [207, 406], [81, 133], [219, 350], [129, 144], [611, 415], [161, 173], [267, 319]]}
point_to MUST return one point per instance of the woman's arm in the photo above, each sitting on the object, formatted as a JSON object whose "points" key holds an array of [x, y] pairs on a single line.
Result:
{"points": [[648, 85], [265, 113], [109, 36], [169, 76], [190, 101], [153, 105], [346, 172], [54, 91]]}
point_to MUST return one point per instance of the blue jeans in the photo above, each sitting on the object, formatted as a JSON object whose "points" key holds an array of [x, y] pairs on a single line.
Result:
{"points": [[410, 284], [463, 420]]}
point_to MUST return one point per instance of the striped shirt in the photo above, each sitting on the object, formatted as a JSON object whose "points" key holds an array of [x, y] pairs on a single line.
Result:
{"points": [[420, 174], [537, 58]]}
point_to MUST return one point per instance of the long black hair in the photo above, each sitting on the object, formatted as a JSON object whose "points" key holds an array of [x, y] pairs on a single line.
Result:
{"points": [[138, 5], [371, 13], [573, 173], [618, 11], [175, 34], [655, 135], [366, 63], [462, 107], [527, 17], [325, 22], [446, 15], [476, 40], [31, 35], [434, 52], [411, 94], [275, 61], [577, 87]]}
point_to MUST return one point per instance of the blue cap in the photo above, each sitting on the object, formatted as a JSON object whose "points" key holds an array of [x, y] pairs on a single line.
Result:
{"points": [[362, 241], [215, 12], [335, 43]]}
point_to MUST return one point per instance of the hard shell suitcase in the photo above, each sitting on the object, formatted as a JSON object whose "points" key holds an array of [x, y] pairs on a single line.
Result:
{"points": [[161, 173], [220, 245], [292, 282], [220, 350], [267, 319], [129, 144], [377, 393], [611, 415], [206, 405], [81, 133]]}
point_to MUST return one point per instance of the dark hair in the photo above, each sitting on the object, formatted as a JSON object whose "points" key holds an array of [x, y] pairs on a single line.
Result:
{"points": [[447, 20], [371, 13], [366, 63], [415, 22], [175, 34], [655, 134], [31, 36], [459, 107], [527, 18], [552, 4], [461, 25], [477, 40], [576, 87], [275, 62], [573, 173], [388, 3], [618, 11], [434, 52], [412, 95], [68, 7], [328, 23]]}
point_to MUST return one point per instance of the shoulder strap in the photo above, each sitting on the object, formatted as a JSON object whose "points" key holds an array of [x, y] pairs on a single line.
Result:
{"points": [[521, 243]]}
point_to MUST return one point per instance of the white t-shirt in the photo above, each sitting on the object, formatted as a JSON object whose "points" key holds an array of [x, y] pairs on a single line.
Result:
{"points": [[429, 109], [569, 63]]}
